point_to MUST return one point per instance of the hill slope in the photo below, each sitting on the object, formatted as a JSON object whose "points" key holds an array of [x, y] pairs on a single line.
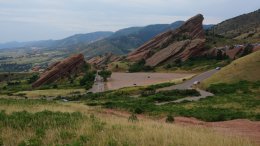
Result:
{"points": [[246, 26], [245, 68], [125, 40]]}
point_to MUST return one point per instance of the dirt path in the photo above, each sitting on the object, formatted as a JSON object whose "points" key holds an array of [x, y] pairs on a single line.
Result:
{"points": [[239, 127], [99, 85]]}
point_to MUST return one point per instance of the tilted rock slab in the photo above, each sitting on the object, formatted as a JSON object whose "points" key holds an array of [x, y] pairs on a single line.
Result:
{"points": [[182, 43], [60, 69]]}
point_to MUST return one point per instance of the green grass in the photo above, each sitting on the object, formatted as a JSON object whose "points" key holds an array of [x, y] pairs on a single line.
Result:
{"points": [[240, 100], [14, 76], [25, 102], [41, 120], [119, 66]]}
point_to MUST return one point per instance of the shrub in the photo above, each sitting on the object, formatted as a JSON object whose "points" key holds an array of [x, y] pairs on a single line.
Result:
{"points": [[139, 66], [33, 78], [105, 74], [148, 91], [169, 119], [161, 85], [88, 79], [31, 142], [84, 138], [138, 110], [132, 118]]}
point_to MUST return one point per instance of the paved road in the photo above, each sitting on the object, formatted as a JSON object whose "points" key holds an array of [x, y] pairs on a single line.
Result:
{"points": [[188, 85], [99, 85]]}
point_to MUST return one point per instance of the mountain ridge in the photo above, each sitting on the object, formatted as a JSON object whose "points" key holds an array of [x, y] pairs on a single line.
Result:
{"points": [[77, 38]]}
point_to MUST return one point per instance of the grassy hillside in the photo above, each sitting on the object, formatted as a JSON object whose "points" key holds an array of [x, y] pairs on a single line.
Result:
{"points": [[245, 68], [73, 124], [246, 26]]}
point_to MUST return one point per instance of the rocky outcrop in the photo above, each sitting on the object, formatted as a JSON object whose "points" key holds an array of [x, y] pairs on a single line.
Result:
{"points": [[60, 69], [232, 52], [102, 61], [182, 43]]}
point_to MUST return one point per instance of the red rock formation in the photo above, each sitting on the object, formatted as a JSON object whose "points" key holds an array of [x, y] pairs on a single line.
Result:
{"points": [[102, 61], [232, 53], [60, 69], [182, 43]]}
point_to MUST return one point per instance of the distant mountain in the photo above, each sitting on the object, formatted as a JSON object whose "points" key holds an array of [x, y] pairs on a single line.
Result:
{"points": [[98, 43], [71, 42], [246, 26], [125, 40]]}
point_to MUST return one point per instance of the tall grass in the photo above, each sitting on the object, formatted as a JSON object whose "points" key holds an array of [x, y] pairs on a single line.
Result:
{"points": [[83, 126]]}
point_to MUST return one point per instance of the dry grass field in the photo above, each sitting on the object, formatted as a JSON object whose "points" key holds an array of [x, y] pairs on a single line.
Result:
{"points": [[245, 68], [78, 124]]}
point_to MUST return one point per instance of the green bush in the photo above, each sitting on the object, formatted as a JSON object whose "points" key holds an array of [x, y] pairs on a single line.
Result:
{"points": [[132, 118], [140, 66], [161, 85], [148, 91], [33, 78], [88, 79], [105, 74], [31, 142], [169, 119], [138, 110]]}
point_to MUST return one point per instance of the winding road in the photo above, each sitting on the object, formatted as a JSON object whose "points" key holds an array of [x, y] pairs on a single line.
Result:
{"points": [[188, 85]]}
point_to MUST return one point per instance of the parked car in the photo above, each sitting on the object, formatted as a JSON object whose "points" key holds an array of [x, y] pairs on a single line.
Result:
{"points": [[218, 68], [196, 82]]}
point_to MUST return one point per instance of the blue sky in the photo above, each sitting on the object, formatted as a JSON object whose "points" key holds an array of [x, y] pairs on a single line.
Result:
{"points": [[26, 20]]}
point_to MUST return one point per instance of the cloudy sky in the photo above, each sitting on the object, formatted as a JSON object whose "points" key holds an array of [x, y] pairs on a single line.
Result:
{"points": [[25, 20]]}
